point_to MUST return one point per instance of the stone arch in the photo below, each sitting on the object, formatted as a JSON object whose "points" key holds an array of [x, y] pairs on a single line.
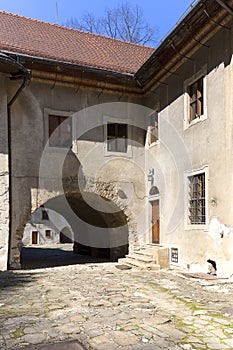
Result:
{"points": [[109, 191], [72, 187]]}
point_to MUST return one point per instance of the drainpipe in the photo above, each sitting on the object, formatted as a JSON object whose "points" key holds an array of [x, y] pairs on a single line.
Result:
{"points": [[26, 77]]}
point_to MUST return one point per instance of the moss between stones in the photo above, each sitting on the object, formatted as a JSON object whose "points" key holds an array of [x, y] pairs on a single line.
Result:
{"points": [[19, 332]]}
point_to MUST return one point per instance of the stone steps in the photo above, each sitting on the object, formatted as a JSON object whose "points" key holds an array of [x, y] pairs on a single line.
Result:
{"points": [[149, 256], [134, 263]]}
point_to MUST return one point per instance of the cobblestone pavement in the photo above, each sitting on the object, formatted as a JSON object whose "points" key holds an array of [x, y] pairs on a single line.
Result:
{"points": [[106, 308]]}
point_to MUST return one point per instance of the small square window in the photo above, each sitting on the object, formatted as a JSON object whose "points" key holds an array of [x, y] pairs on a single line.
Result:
{"points": [[117, 135], [197, 199], [195, 91], [60, 134], [48, 234]]}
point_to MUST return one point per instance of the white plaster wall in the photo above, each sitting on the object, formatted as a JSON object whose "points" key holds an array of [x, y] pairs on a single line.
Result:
{"points": [[56, 224], [207, 144]]}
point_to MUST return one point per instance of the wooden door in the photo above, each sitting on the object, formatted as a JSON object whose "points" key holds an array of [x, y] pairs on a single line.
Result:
{"points": [[34, 237], [155, 222]]}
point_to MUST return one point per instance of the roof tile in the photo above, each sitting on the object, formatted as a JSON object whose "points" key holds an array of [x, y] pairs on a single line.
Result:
{"points": [[45, 40]]}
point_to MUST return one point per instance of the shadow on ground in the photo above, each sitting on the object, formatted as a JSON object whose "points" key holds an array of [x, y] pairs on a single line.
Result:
{"points": [[36, 257], [13, 281]]}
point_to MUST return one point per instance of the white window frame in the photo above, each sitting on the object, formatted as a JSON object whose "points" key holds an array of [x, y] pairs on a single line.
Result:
{"points": [[202, 73], [112, 120], [150, 129], [188, 225], [47, 113]]}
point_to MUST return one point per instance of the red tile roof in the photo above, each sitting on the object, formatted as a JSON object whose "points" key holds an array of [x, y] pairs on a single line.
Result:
{"points": [[45, 40]]}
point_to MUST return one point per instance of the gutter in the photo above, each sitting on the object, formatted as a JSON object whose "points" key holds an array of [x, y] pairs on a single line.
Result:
{"points": [[61, 69], [77, 66], [25, 75]]}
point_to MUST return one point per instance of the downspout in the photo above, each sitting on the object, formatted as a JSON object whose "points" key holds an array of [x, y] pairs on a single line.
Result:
{"points": [[26, 77]]}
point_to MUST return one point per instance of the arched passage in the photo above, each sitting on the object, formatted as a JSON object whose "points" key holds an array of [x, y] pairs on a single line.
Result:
{"points": [[99, 227]]}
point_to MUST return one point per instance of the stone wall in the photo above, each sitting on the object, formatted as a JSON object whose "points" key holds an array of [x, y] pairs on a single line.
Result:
{"points": [[4, 177], [35, 182]]}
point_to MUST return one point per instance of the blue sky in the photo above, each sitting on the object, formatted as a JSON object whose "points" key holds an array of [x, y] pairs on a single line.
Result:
{"points": [[161, 14]]}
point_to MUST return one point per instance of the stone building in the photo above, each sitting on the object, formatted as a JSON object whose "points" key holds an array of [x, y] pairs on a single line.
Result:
{"points": [[133, 146], [47, 227]]}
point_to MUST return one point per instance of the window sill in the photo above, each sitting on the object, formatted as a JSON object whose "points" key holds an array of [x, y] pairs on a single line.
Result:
{"points": [[154, 144], [127, 154], [203, 227], [188, 124]]}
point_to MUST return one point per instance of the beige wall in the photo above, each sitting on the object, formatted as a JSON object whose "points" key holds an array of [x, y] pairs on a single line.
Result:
{"points": [[35, 183], [205, 145]]}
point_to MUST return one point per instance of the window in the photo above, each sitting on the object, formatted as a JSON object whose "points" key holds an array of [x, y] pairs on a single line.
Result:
{"points": [[195, 98], [197, 199], [195, 91], [59, 131], [48, 234], [152, 135], [45, 215], [117, 135]]}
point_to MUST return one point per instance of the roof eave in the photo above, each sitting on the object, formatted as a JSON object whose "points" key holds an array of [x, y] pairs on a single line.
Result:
{"points": [[80, 72], [153, 71]]}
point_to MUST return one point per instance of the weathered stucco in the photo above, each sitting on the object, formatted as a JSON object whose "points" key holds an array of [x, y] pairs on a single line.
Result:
{"points": [[105, 196], [204, 145], [40, 171], [4, 177]]}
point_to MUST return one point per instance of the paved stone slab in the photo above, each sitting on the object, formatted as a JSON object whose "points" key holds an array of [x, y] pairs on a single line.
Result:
{"points": [[105, 308], [68, 345]]}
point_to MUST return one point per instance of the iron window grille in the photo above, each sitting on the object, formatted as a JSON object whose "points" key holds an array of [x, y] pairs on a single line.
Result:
{"points": [[197, 200]]}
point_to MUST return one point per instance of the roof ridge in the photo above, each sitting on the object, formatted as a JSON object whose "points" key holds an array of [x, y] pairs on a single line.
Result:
{"points": [[76, 30]]}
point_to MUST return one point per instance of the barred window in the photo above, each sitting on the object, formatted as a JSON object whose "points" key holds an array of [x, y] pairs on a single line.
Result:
{"points": [[197, 207], [195, 91]]}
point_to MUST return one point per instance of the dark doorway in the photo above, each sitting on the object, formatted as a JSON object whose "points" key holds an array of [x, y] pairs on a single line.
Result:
{"points": [[34, 237]]}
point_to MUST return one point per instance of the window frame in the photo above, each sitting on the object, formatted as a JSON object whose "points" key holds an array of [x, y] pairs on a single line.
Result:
{"points": [[188, 121], [115, 137], [196, 226], [152, 134], [197, 199], [48, 234], [59, 113], [111, 120]]}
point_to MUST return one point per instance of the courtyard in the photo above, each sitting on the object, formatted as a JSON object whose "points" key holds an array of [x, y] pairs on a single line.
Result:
{"points": [[103, 306]]}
